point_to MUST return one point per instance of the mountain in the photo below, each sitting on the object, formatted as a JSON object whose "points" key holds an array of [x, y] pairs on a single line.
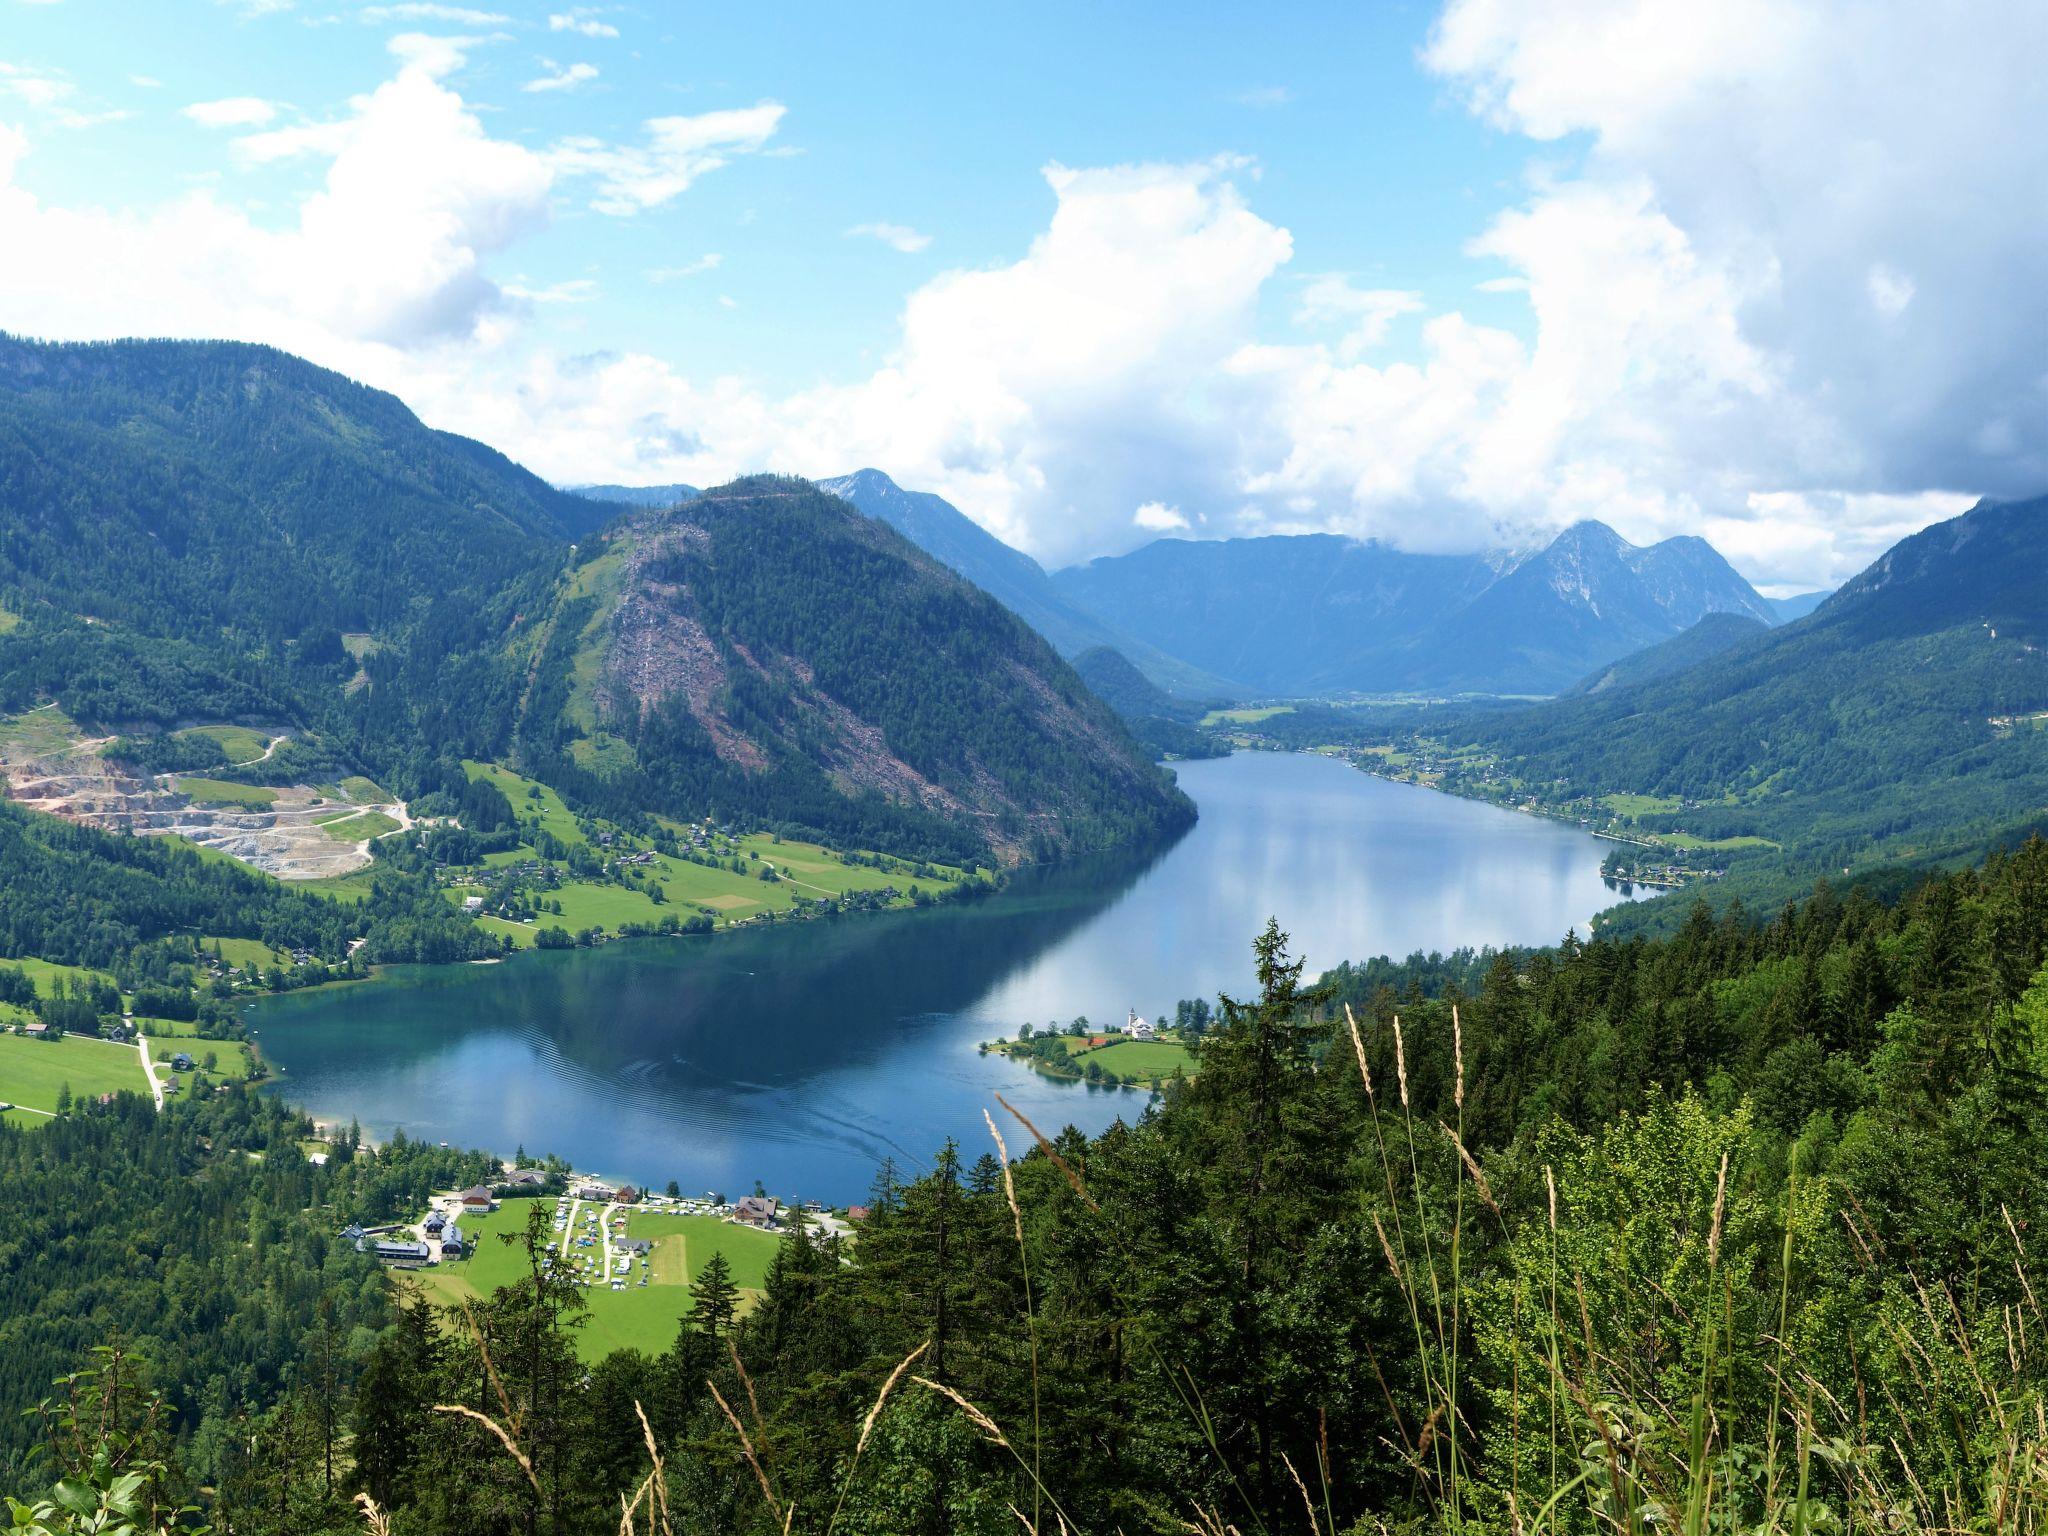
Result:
{"points": [[1589, 597], [197, 534], [764, 650], [202, 488], [1013, 578], [1164, 724], [1905, 717], [637, 495], [1283, 614], [1799, 605], [1715, 633], [1319, 614]]}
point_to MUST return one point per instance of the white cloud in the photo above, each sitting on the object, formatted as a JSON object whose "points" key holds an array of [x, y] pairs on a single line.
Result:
{"points": [[231, 112], [1155, 517], [900, 237], [560, 78], [33, 87], [50, 93], [708, 262], [426, 10], [1890, 290], [633, 178], [1265, 96], [582, 20], [1362, 315], [575, 290], [1780, 272], [147, 82]]}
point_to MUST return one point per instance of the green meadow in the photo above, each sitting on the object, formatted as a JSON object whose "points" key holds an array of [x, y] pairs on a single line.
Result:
{"points": [[643, 1318], [32, 1072]]}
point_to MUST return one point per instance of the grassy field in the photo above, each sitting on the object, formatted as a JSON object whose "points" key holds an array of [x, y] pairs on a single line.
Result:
{"points": [[635, 1318], [806, 871], [233, 1061], [242, 743], [351, 888], [364, 791], [46, 975], [1140, 1058], [1639, 805], [32, 1071], [353, 829], [555, 817], [245, 952], [43, 732], [220, 792], [1246, 716]]}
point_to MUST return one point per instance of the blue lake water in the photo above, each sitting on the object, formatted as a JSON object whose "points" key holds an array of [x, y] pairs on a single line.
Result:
{"points": [[801, 1055]]}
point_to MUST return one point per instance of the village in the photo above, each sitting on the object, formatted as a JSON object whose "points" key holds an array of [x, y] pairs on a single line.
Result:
{"points": [[636, 1255]]}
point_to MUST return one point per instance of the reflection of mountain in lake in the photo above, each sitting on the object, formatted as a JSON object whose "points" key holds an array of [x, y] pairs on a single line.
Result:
{"points": [[803, 1054]]}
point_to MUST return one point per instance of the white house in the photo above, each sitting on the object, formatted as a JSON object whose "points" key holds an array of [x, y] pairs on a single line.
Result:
{"points": [[1139, 1028]]}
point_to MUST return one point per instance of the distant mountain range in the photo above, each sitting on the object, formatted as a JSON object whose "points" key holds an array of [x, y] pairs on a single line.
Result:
{"points": [[1015, 580], [637, 495], [1799, 605], [1317, 614], [1907, 716]]}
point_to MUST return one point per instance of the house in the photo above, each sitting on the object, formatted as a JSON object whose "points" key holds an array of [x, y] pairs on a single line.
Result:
{"points": [[472, 903], [1139, 1029], [591, 1190], [435, 1223], [352, 1233], [524, 1178], [181, 1062], [633, 1245], [857, 1213], [757, 1210], [626, 1194], [451, 1240], [394, 1251], [478, 1199], [35, 1027]]}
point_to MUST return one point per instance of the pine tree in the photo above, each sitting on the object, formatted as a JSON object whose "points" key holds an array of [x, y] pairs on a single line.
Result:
{"points": [[714, 1299]]}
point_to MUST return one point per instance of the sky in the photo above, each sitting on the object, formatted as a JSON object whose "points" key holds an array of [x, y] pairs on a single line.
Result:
{"points": [[1453, 276]]}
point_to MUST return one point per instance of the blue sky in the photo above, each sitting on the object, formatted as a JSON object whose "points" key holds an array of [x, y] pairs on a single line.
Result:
{"points": [[936, 118], [1448, 275]]}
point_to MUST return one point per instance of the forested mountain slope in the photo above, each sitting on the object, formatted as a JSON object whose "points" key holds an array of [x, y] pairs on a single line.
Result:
{"points": [[1715, 633], [1906, 717], [207, 488], [213, 532], [764, 649]]}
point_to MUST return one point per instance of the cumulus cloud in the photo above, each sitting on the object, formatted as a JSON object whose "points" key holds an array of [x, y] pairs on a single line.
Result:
{"points": [[582, 21], [632, 178], [900, 237], [1362, 315], [231, 112], [1834, 187], [1154, 517], [561, 78]]}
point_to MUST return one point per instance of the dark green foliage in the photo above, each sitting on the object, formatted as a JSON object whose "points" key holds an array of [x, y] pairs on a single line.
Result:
{"points": [[1164, 724]]}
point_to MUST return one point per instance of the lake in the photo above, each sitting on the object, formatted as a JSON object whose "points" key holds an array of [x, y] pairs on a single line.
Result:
{"points": [[801, 1055]]}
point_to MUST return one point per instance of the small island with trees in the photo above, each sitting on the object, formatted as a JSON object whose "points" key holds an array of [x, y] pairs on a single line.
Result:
{"points": [[1138, 1053]]}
